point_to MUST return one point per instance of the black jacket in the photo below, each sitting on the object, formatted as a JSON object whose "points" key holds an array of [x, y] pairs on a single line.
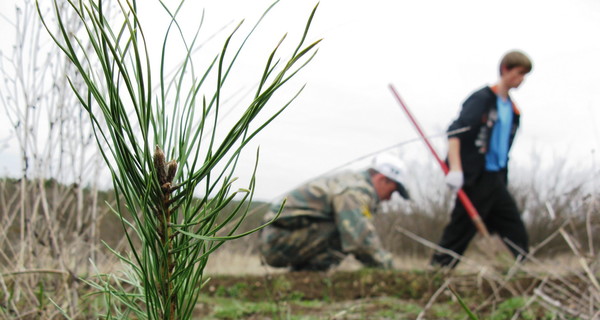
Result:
{"points": [[479, 113]]}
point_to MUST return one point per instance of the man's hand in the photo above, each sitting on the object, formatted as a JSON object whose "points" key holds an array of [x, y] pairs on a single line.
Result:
{"points": [[455, 180]]}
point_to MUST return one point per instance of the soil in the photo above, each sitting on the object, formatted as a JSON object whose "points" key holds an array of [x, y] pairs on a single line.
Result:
{"points": [[352, 285], [373, 292]]}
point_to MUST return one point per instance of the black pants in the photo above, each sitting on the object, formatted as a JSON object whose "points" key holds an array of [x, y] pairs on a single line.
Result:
{"points": [[498, 210]]}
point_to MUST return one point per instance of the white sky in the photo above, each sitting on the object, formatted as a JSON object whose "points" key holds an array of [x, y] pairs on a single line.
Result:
{"points": [[435, 52]]}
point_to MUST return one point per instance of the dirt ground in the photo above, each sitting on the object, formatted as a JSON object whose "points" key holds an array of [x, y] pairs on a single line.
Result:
{"points": [[372, 291], [361, 284]]}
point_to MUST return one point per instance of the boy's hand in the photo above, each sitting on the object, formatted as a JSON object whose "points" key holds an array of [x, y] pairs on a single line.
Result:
{"points": [[454, 180]]}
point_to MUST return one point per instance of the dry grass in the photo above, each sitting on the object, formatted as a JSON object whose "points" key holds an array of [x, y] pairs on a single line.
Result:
{"points": [[234, 263], [228, 262]]}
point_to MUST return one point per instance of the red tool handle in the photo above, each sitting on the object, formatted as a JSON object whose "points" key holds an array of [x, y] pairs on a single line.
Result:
{"points": [[462, 196]]}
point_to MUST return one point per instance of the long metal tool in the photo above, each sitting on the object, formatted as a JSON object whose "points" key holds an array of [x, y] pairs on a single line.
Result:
{"points": [[462, 196]]}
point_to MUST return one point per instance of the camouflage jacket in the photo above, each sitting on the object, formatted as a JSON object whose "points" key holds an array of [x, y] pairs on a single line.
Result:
{"points": [[347, 199]]}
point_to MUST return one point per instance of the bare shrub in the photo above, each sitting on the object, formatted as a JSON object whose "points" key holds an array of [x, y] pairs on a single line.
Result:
{"points": [[561, 212], [49, 211], [555, 197], [549, 198]]}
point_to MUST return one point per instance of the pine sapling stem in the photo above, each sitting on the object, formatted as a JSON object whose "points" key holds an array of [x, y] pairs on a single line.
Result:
{"points": [[166, 173]]}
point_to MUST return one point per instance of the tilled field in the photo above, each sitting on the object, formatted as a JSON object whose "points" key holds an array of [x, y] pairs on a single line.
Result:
{"points": [[375, 294]]}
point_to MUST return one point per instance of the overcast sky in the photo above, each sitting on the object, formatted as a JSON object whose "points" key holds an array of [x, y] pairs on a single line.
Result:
{"points": [[435, 53]]}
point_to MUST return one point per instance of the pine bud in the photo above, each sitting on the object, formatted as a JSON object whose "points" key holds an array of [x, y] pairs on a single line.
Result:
{"points": [[171, 170], [159, 165]]}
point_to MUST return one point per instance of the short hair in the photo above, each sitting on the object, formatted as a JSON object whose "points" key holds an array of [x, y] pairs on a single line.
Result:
{"points": [[515, 58]]}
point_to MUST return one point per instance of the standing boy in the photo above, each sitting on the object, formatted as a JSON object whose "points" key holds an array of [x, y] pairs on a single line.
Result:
{"points": [[478, 161]]}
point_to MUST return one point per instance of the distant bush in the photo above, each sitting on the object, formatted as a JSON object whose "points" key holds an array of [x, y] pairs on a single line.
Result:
{"points": [[548, 199]]}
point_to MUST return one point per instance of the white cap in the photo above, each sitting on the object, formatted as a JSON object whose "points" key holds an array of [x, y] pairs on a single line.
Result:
{"points": [[391, 167]]}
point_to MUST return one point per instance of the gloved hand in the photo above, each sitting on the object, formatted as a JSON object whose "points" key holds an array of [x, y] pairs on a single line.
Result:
{"points": [[455, 180]]}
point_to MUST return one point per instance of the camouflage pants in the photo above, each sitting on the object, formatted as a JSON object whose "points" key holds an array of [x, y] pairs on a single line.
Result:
{"points": [[315, 246]]}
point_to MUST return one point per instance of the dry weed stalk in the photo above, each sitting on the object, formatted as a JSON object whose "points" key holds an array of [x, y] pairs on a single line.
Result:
{"points": [[578, 294], [571, 293], [48, 223]]}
